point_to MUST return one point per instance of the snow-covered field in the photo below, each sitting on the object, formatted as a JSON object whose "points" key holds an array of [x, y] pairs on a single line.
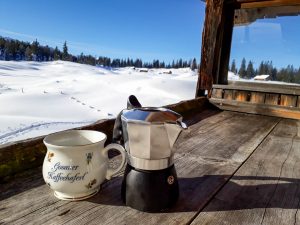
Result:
{"points": [[235, 77], [41, 98]]}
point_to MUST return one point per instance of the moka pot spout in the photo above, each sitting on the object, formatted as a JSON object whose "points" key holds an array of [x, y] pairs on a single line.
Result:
{"points": [[173, 131]]}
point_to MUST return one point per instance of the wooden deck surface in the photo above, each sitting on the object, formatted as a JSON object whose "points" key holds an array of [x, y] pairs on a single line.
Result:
{"points": [[233, 168]]}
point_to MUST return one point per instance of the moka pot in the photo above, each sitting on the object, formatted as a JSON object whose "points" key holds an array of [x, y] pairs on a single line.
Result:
{"points": [[148, 135]]}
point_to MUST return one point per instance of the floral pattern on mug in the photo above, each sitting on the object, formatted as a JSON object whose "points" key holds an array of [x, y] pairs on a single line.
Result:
{"points": [[91, 183], [50, 155], [89, 157]]}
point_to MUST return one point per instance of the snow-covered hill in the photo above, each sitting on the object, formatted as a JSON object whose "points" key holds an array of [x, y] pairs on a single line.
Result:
{"points": [[40, 98]]}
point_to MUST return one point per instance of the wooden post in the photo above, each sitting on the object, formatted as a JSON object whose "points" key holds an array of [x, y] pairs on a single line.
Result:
{"points": [[225, 43], [216, 43]]}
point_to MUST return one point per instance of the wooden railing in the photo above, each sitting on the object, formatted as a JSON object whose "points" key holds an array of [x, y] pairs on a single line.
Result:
{"points": [[19, 156], [282, 100]]}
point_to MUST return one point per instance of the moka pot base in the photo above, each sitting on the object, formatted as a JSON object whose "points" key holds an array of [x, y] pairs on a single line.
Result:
{"points": [[150, 191]]}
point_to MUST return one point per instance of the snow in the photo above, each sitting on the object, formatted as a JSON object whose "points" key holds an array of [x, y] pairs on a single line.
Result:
{"points": [[38, 98], [235, 77], [261, 77]]}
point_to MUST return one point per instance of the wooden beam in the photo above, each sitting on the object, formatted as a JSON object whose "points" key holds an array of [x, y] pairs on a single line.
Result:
{"points": [[216, 43], [247, 4], [261, 109], [289, 89], [212, 24], [246, 16], [225, 43]]}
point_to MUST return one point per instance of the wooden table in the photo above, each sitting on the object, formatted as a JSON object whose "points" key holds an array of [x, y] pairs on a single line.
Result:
{"points": [[233, 168]]}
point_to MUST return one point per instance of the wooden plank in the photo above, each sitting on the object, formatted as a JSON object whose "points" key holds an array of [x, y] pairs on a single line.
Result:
{"points": [[261, 109], [247, 4], [246, 16], [265, 190], [214, 146], [242, 96], [298, 101], [217, 93], [228, 94], [216, 43], [257, 97], [225, 35], [264, 87], [272, 99], [288, 100], [212, 23], [21, 155]]}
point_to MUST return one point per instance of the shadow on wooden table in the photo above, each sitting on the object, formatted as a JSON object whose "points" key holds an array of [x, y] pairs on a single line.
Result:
{"points": [[22, 182], [251, 192], [241, 192]]}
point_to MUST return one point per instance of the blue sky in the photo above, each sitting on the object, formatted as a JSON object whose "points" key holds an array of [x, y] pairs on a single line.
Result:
{"points": [[156, 29], [166, 30], [276, 40]]}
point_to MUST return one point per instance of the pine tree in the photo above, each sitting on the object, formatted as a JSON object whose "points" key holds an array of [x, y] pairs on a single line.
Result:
{"points": [[173, 64], [261, 69], [35, 49], [242, 71], [194, 64], [274, 74], [269, 68], [56, 54], [233, 67], [65, 54], [9, 51], [250, 70], [180, 63], [28, 54]]}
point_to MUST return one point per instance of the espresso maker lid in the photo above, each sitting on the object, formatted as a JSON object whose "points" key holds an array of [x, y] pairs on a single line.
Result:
{"points": [[148, 134], [151, 115]]}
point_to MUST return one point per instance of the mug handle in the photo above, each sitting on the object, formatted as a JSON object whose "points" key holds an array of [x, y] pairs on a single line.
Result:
{"points": [[112, 172]]}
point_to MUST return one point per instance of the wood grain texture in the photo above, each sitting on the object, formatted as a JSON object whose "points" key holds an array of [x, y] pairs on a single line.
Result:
{"points": [[212, 23], [265, 190], [225, 36], [206, 155], [298, 101], [261, 109], [247, 16], [261, 87], [247, 4], [288, 100], [242, 96], [257, 97], [272, 99], [217, 93], [216, 42], [228, 94]]}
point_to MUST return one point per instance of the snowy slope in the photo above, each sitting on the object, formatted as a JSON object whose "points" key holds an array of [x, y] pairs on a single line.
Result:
{"points": [[40, 98]]}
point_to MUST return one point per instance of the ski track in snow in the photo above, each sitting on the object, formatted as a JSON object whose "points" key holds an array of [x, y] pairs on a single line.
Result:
{"points": [[36, 126], [40, 98]]}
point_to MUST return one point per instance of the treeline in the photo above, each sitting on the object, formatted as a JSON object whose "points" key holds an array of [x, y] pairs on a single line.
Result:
{"points": [[11, 49], [247, 71]]}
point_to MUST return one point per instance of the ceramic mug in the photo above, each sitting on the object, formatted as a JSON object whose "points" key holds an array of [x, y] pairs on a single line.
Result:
{"points": [[76, 163]]}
